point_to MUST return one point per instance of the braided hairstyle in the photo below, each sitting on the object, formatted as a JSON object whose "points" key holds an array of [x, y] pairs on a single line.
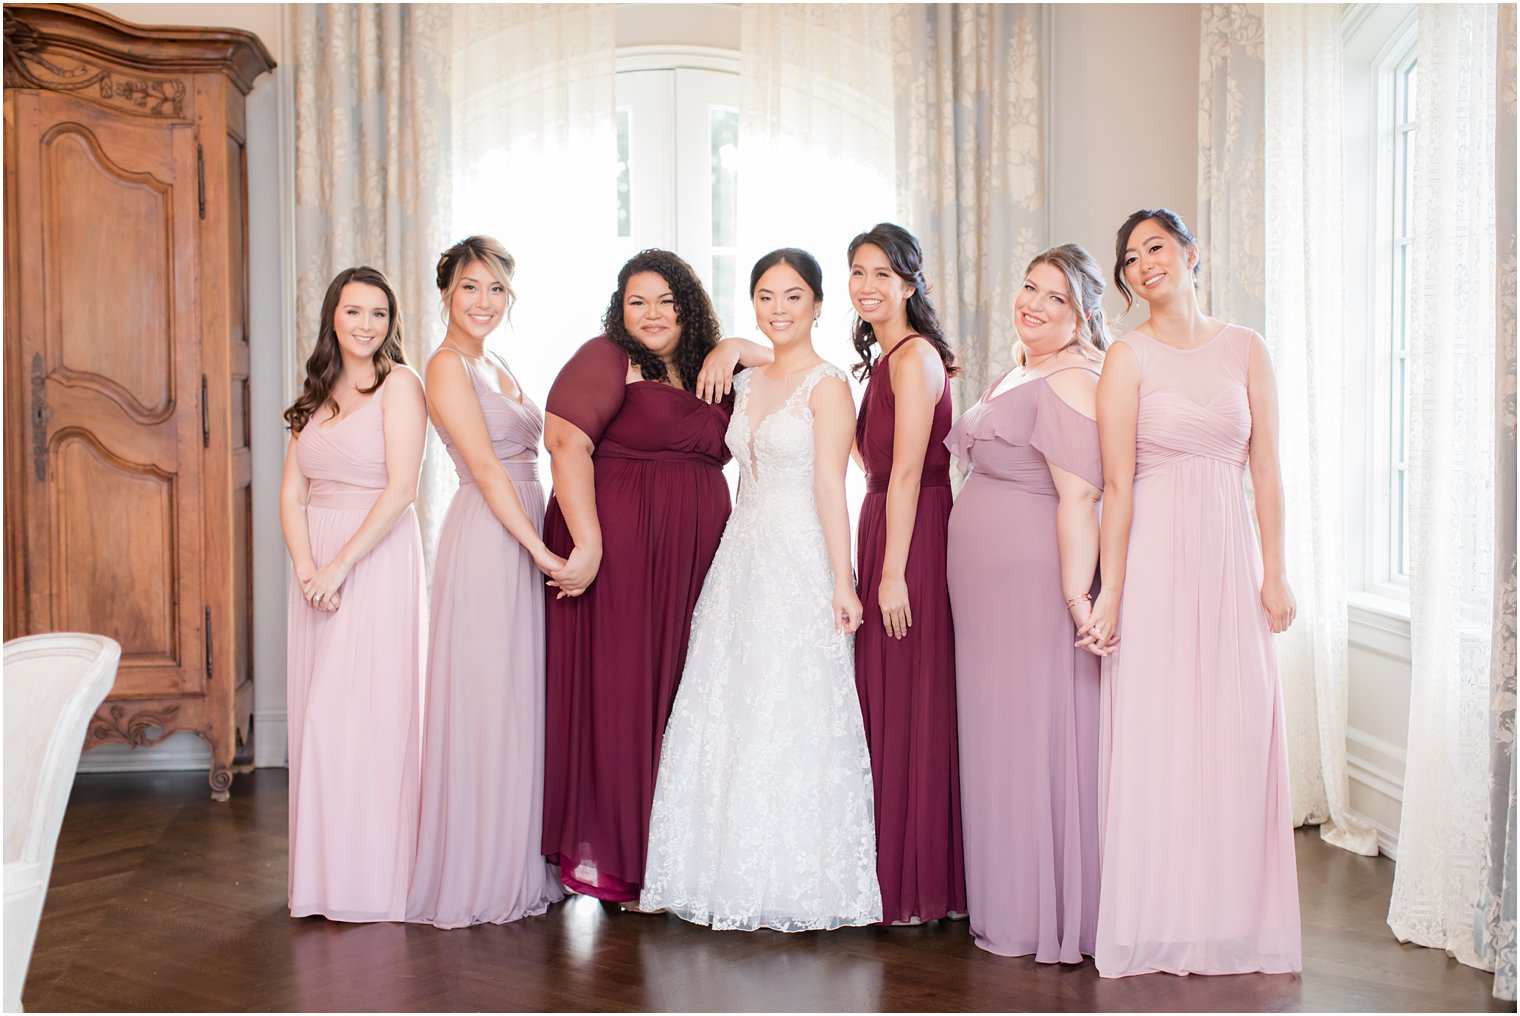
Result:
{"points": [[907, 260], [700, 329]]}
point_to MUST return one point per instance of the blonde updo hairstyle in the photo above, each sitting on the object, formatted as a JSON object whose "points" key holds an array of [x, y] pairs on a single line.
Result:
{"points": [[1084, 281], [489, 252]]}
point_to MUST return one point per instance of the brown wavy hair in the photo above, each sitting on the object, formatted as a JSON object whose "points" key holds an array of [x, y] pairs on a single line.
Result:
{"points": [[325, 364], [907, 259], [700, 329]]}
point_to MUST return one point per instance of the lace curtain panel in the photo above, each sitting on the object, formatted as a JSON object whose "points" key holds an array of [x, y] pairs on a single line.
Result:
{"points": [[1305, 332], [1495, 917], [372, 172], [1231, 224], [1451, 466], [1270, 98], [971, 166]]}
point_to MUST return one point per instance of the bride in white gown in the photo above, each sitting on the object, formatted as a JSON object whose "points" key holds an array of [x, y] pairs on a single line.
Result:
{"points": [[762, 810]]}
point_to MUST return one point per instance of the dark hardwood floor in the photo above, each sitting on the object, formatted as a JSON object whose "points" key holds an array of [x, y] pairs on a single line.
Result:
{"points": [[164, 900]]}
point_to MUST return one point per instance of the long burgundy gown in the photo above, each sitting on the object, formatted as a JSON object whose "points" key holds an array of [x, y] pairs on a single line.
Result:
{"points": [[907, 686], [616, 652]]}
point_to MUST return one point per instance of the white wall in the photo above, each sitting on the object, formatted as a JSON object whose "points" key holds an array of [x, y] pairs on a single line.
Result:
{"points": [[1123, 121], [271, 311]]}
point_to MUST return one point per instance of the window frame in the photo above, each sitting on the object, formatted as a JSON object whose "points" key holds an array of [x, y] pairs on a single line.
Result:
{"points": [[1381, 41]]}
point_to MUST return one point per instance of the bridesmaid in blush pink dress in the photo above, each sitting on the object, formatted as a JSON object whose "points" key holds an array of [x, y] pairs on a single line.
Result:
{"points": [[356, 619], [478, 857], [905, 646], [1198, 867], [1023, 558]]}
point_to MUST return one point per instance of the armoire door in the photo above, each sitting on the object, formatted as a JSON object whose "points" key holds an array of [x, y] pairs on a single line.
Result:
{"points": [[105, 357]]}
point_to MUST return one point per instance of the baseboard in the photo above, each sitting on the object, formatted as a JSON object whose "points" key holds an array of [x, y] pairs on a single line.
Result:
{"points": [[269, 735], [184, 751], [1388, 839], [178, 752]]}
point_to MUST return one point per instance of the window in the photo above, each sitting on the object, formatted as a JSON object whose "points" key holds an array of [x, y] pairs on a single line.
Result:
{"points": [[678, 173], [1381, 76], [1397, 80]]}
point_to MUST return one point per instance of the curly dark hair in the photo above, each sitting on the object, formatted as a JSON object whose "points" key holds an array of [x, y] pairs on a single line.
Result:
{"points": [[907, 259], [325, 364], [700, 329]]}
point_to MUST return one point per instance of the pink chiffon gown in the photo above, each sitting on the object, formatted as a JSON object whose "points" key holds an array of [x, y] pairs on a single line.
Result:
{"points": [[353, 684], [1027, 698], [907, 686], [478, 858], [1198, 867]]}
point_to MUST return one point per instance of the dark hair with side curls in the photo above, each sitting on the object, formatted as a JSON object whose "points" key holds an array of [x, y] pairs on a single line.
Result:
{"points": [[700, 329], [1172, 223], [325, 364], [800, 261], [489, 252], [907, 260]]}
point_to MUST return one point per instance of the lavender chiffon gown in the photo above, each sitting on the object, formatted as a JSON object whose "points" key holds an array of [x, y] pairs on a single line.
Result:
{"points": [[1198, 868], [353, 681], [478, 858], [1027, 699]]}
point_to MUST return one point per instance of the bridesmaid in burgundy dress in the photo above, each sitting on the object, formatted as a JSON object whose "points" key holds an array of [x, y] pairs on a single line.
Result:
{"points": [[905, 649], [634, 424]]}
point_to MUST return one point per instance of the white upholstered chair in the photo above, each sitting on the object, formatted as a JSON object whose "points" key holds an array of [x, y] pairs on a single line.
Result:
{"points": [[53, 683]]}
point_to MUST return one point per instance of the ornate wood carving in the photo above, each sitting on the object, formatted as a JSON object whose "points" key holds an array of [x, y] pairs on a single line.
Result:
{"points": [[125, 251], [30, 62], [116, 721]]}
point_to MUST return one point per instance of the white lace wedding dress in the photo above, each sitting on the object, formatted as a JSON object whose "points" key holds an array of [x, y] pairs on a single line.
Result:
{"points": [[762, 811]]}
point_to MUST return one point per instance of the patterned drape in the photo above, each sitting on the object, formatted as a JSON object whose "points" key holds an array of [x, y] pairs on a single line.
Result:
{"points": [[971, 165], [1231, 167], [1305, 333], [1451, 469], [372, 171], [1496, 905]]}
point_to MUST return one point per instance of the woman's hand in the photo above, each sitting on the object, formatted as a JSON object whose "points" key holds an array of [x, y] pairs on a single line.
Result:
{"points": [[1081, 613], [1100, 635], [547, 561], [847, 609], [577, 573], [321, 590], [892, 597], [716, 378], [1277, 600]]}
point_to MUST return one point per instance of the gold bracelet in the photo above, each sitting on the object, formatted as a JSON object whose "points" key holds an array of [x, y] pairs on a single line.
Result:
{"points": [[1072, 601]]}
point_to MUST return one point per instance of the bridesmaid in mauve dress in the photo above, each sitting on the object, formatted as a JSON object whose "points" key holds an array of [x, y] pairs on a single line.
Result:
{"points": [[638, 508], [478, 858], [1198, 868], [905, 648], [1023, 556], [356, 621]]}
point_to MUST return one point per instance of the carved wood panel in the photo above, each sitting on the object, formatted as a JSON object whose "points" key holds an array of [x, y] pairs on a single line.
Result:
{"points": [[106, 326]]}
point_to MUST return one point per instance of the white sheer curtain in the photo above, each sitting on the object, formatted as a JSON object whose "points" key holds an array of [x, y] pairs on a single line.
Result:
{"points": [[1305, 331], [534, 165], [815, 136], [1451, 466]]}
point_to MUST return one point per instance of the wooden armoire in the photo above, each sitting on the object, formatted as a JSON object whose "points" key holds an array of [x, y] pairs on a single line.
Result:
{"points": [[128, 506]]}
